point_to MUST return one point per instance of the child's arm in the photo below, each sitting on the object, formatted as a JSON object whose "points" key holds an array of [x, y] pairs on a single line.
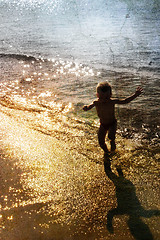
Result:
{"points": [[138, 92], [88, 107]]}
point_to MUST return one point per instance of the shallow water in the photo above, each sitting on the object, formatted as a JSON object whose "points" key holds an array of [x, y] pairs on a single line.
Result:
{"points": [[54, 85]]}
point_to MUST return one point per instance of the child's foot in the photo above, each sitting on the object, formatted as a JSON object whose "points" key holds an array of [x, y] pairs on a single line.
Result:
{"points": [[113, 146]]}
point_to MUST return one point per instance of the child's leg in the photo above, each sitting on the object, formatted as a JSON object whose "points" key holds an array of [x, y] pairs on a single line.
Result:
{"points": [[101, 138], [112, 135]]}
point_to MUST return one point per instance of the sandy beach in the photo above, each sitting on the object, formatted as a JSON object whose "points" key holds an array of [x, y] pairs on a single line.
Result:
{"points": [[58, 185]]}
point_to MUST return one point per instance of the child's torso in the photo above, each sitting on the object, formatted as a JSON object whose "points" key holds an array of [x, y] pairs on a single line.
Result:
{"points": [[105, 111]]}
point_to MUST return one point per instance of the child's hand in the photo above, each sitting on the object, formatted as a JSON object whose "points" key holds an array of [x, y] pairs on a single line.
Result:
{"points": [[139, 91], [85, 108], [88, 107]]}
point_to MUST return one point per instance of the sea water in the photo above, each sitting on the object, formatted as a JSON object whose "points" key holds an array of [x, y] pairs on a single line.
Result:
{"points": [[119, 34], [74, 45], [52, 55]]}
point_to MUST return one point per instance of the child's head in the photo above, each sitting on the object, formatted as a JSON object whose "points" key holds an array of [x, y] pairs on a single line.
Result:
{"points": [[104, 90]]}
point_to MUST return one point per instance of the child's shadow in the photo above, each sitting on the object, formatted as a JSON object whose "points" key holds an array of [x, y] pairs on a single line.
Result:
{"points": [[128, 204]]}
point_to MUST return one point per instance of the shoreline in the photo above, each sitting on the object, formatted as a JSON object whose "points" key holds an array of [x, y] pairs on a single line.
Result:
{"points": [[143, 71]]}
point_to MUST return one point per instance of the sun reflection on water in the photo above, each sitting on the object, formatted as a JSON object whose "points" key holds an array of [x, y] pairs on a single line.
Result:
{"points": [[43, 79]]}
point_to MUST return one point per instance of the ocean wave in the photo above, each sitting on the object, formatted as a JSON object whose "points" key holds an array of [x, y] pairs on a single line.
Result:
{"points": [[22, 57]]}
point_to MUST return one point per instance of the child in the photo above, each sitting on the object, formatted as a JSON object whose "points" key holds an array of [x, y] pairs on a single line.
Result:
{"points": [[105, 107]]}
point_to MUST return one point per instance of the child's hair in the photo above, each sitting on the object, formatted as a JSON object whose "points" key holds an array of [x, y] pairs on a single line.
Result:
{"points": [[103, 87]]}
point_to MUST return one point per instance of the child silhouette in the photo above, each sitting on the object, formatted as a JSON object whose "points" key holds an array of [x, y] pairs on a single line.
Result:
{"points": [[105, 107]]}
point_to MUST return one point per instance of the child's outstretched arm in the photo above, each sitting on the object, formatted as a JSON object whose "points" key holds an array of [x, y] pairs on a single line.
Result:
{"points": [[138, 92], [88, 107]]}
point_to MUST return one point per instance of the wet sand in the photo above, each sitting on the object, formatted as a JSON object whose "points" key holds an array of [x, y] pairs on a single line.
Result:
{"points": [[56, 184]]}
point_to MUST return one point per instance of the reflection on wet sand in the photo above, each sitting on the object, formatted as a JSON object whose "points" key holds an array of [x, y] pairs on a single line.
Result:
{"points": [[128, 204], [53, 180]]}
